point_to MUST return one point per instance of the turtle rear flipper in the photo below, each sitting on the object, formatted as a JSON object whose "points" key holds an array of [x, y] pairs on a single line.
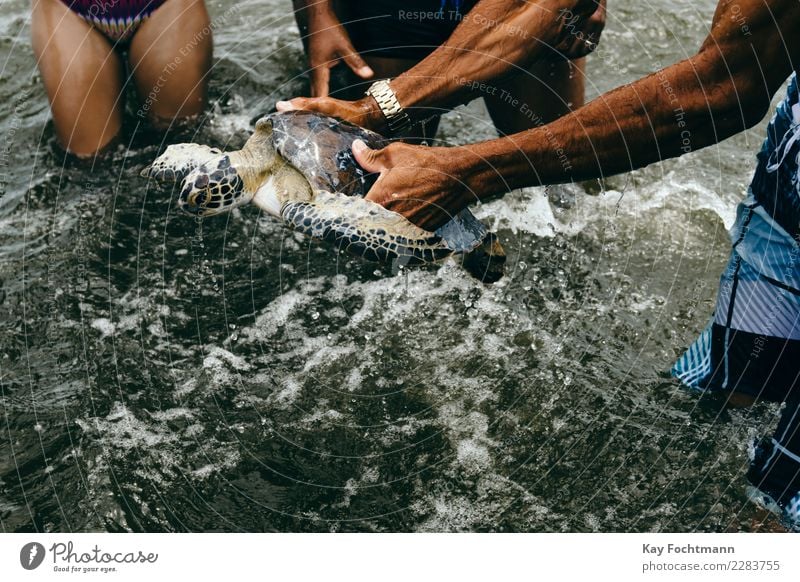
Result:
{"points": [[486, 262], [365, 229]]}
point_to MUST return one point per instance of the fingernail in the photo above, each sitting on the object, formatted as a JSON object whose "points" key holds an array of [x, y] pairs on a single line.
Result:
{"points": [[283, 106], [365, 71], [359, 146]]}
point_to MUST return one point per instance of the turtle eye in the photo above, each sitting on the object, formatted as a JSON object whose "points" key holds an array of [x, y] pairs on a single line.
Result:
{"points": [[194, 200], [208, 192], [198, 198]]}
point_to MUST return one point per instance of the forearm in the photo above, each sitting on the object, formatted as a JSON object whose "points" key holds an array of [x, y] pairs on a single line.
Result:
{"points": [[688, 106], [308, 13], [495, 39], [317, 8], [726, 87]]}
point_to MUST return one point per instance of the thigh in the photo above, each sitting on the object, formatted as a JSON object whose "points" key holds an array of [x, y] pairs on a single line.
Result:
{"points": [[549, 89], [81, 74], [170, 58]]}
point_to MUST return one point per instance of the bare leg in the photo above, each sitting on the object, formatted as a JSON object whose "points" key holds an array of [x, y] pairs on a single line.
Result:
{"points": [[171, 56], [550, 89], [82, 76]]}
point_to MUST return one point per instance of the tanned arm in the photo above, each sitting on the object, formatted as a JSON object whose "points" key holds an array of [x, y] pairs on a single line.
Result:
{"points": [[497, 38], [327, 43], [752, 48]]}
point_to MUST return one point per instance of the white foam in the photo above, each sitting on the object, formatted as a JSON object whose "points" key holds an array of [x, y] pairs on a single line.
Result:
{"points": [[104, 326], [156, 449], [171, 414], [526, 210], [217, 356], [286, 396], [529, 210]]}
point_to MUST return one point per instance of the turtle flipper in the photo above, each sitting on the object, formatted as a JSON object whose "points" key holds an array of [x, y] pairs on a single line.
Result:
{"points": [[365, 229], [178, 160], [487, 261], [464, 232]]}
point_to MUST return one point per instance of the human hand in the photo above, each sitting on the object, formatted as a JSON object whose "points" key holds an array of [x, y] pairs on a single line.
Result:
{"points": [[328, 44], [582, 34], [419, 182], [363, 112]]}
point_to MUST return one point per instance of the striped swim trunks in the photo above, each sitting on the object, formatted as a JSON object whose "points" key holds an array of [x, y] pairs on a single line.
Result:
{"points": [[752, 344]]}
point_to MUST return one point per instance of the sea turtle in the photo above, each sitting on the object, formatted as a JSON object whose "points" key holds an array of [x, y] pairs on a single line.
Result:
{"points": [[298, 167]]}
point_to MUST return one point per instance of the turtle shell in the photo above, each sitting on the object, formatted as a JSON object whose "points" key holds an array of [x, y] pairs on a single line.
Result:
{"points": [[320, 148]]}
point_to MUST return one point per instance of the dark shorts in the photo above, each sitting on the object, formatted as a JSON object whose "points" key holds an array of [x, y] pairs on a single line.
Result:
{"points": [[402, 29]]}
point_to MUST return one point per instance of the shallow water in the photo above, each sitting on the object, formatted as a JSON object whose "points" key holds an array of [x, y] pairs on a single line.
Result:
{"points": [[162, 374]]}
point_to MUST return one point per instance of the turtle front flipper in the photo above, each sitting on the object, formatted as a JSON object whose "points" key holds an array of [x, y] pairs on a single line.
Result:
{"points": [[365, 229], [178, 160]]}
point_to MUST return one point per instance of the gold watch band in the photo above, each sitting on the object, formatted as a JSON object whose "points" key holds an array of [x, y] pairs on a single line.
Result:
{"points": [[396, 117]]}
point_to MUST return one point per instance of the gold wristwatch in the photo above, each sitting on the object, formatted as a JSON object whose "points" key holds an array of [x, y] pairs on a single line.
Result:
{"points": [[396, 117]]}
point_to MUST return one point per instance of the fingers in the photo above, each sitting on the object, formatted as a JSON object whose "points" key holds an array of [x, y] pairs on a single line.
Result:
{"points": [[599, 15], [370, 160], [292, 105], [367, 158], [581, 48], [296, 104], [582, 44], [320, 105], [592, 39], [358, 65], [320, 80]]}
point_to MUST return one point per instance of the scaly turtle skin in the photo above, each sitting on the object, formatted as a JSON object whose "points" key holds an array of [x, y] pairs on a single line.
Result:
{"points": [[299, 167]]}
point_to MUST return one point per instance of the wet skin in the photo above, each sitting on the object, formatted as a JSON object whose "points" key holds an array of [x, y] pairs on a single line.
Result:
{"points": [[83, 73], [551, 82]]}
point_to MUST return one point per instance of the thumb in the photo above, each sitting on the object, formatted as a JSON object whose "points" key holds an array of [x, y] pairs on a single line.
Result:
{"points": [[293, 105], [367, 158]]}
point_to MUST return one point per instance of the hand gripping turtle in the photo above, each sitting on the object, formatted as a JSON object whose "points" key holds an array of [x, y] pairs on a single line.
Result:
{"points": [[298, 167]]}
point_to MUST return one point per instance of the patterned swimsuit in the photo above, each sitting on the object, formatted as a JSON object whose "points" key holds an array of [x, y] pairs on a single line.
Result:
{"points": [[116, 19]]}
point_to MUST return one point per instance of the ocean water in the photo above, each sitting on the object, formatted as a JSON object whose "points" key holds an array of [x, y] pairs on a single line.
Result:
{"points": [[163, 374]]}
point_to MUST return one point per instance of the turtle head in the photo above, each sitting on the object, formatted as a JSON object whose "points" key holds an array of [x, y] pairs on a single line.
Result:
{"points": [[211, 181], [213, 188], [221, 183]]}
